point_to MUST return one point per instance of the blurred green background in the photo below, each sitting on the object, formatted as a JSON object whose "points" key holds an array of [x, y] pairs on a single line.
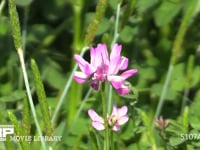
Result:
{"points": [[54, 30]]}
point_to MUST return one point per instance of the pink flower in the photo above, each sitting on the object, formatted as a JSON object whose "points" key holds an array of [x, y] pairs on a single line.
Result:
{"points": [[115, 120], [97, 121], [102, 68]]}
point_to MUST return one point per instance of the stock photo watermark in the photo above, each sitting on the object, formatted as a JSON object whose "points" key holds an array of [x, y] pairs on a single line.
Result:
{"points": [[6, 130], [190, 136]]}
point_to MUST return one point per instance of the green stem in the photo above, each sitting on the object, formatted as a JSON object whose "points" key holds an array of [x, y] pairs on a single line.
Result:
{"points": [[175, 51], [184, 100], [66, 89], [112, 142], [77, 7], [109, 98], [190, 67], [164, 91], [2, 4], [106, 135], [128, 11], [116, 34], [24, 33], [181, 33], [21, 57], [18, 45]]}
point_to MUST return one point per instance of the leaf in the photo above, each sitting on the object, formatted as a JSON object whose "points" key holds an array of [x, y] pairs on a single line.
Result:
{"points": [[194, 4], [13, 96], [23, 2], [195, 76], [18, 130], [39, 33], [42, 98], [112, 4], [143, 5], [193, 113], [60, 128], [126, 35], [147, 74], [4, 26], [156, 90], [26, 122], [175, 128], [166, 12], [103, 26], [174, 141], [197, 10], [177, 78], [132, 146], [93, 140], [55, 75], [128, 132], [80, 126], [185, 122]]}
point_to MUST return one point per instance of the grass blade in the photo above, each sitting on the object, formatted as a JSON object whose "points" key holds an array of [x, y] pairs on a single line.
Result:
{"points": [[42, 98]]}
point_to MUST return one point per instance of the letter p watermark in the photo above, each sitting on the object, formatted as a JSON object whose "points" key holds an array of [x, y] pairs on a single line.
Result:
{"points": [[6, 130]]}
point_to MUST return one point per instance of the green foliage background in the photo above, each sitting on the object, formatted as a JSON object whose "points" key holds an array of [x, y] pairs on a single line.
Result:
{"points": [[53, 31]]}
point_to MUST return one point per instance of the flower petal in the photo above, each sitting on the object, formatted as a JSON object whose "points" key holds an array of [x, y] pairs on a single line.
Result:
{"points": [[115, 51], [114, 66], [114, 110], [128, 73], [116, 81], [84, 65], [94, 84], [99, 55], [94, 60], [123, 90], [98, 125], [115, 59], [122, 111], [123, 63], [80, 77], [95, 117], [104, 53], [116, 127], [123, 120]]}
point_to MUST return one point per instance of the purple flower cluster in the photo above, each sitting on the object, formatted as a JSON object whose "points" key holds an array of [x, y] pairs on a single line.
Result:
{"points": [[104, 67]]}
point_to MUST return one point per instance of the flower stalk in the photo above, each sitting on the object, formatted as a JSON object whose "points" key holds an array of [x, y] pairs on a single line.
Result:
{"points": [[21, 57], [77, 8], [92, 28], [116, 33], [18, 45], [65, 91], [104, 108], [175, 51]]}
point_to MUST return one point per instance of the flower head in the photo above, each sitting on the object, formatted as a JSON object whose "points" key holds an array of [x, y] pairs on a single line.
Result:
{"points": [[102, 68], [115, 120], [161, 123], [118, 117]]}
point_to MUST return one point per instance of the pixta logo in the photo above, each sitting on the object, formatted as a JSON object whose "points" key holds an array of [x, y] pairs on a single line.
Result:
{"points": [[6, 130]]}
